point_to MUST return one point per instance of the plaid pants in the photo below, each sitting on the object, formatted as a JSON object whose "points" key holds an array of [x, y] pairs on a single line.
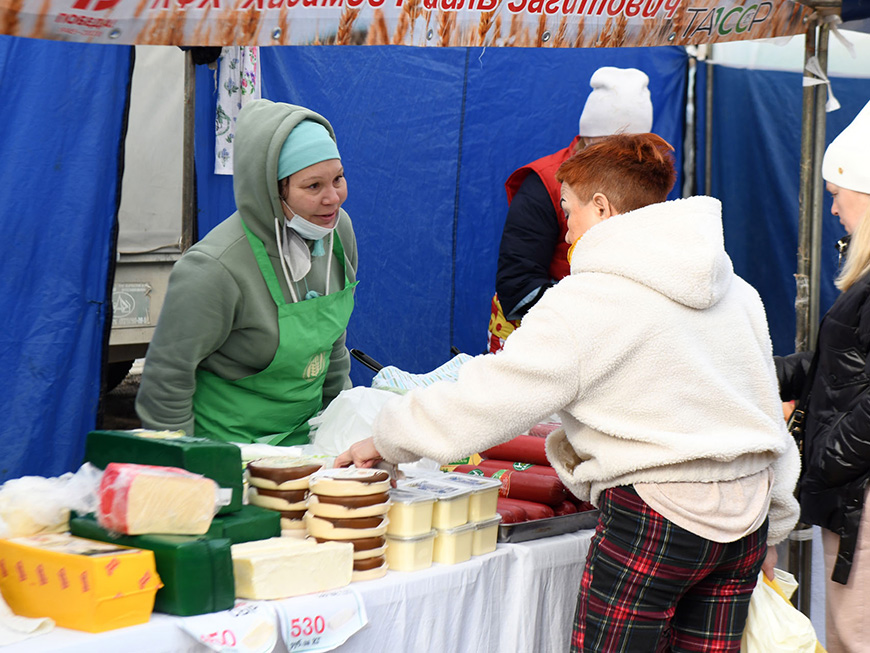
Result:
{"points": [[651, 586]]}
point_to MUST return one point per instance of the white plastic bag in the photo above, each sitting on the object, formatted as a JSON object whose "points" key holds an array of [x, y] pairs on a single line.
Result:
{"points": [[33, 505], [774, 625], [347, 420]]}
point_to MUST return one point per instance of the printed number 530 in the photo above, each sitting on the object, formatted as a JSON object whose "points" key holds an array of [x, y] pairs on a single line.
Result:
{"points": [[300, 627]]}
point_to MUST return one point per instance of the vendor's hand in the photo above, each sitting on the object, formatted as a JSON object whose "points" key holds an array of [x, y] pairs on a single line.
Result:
{"points": [[361, 454], [769, 562]]}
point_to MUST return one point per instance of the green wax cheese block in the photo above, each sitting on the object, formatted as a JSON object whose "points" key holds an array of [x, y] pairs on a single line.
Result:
{"points": [[197, 571], [249, 523], [219, 461]]}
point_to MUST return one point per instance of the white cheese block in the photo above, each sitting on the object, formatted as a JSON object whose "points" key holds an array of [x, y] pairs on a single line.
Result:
{"points": [[142, 499], [281, 567]]}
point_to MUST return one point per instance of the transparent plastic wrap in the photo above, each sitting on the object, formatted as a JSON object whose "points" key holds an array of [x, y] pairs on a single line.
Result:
{"points": [[143, 499], [34, 505]]}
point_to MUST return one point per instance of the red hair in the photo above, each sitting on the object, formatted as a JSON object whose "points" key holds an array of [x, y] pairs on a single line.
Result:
{"points": [[631, 170]]}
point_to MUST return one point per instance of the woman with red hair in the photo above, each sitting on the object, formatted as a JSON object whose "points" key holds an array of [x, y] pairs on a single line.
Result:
{"points": [[629, 350]]}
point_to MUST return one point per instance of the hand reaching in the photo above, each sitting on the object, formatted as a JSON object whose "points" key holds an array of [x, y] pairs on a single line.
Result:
{"points": [[361, 454]]}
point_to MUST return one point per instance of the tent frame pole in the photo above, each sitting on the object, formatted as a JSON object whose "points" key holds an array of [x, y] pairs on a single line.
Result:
{"points": [[188, 186], [808, 276]]}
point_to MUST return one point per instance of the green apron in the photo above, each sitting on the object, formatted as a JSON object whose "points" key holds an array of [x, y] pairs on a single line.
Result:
{"points": [[274, 406]]}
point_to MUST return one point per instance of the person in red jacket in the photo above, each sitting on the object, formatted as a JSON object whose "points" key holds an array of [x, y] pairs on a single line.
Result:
{"points": [[532, 254]]}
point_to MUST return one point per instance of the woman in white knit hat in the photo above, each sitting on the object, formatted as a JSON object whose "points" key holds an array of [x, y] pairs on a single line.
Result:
{"points": [[833, 388], [531, 255]]}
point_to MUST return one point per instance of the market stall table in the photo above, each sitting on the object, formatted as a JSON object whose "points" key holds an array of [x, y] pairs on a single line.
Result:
{"points": [[519, 597]]}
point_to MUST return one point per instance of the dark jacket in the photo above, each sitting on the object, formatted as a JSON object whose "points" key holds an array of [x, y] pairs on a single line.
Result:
{"points": [[836, 448]]}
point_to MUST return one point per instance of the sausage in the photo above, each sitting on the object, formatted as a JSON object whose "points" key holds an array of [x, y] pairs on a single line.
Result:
{"points": [[490, 466], [511, 514], [520, 485], [544, 429], [522, 449], [565, 508], [533, 510]]}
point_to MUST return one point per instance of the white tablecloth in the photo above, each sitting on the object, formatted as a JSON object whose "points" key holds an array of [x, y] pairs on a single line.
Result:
{"points": [[521, 597]]}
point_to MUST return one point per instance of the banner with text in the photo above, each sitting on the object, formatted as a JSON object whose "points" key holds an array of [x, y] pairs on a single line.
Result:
{"points": [[516, 23]]}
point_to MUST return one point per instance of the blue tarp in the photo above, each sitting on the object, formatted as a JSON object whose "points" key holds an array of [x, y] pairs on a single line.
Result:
{"points": [[428, 138], [756, 174], [63, 115]]}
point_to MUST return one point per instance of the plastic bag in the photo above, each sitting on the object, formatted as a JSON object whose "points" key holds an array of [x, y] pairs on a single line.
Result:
{"points": [[347, 420], [396, 380], [33, 505], [774, 625]]}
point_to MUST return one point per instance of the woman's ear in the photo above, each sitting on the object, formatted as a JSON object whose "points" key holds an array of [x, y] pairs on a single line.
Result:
{"points": [[603, 206]]}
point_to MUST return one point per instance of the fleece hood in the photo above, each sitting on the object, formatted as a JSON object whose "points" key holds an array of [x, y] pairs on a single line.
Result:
{"points": [[261, 130], [675, 248]]}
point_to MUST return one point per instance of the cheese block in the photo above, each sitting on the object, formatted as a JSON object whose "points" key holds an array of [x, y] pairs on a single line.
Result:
{"points": [[249, 523], [196, 570], [368, 505], [140, 499], [282, 472], [81, 584], [345, 529], [281, 500], [282, 567], [349, 482], [219, 461]]}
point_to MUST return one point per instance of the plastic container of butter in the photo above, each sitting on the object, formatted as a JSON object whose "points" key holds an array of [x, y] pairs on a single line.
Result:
{"points": [[410, 512], [453, 545], [451, 502], [485, 536], [410, 553], [484, 494]]}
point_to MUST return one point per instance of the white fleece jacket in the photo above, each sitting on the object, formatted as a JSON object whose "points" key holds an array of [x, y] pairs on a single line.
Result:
{"points": [[655, 355]]}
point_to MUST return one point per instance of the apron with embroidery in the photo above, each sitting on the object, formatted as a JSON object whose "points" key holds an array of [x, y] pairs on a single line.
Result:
{"points": [[274, 406]]}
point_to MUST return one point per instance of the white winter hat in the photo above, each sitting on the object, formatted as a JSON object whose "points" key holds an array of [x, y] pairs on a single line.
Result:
{"points": [[618, 104], [847, 162]]}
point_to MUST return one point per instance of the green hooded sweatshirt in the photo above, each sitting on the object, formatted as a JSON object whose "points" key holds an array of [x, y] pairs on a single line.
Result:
{"points": [[218, 313]]}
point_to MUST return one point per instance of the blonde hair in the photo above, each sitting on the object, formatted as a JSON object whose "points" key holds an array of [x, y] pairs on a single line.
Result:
{"points": [[857, 256]]}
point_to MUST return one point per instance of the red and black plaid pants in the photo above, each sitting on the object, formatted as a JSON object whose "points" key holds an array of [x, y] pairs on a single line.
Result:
{"points": [[651, 586]]}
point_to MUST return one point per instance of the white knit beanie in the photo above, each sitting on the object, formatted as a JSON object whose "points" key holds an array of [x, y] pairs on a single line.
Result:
{"points": [[847, 159], [618, 104]]}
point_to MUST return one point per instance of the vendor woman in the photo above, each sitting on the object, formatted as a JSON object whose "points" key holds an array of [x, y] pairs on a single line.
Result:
{"points": [[251, 338]]}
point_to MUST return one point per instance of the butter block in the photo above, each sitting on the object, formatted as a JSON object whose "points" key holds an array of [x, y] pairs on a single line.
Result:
{"points": [[485, 536], [410, 512], [483, 501], [282, 567], [451, 502], [453, 545], [196, 570], [140, 499], [219, 461], [81, 584], [410, 553]]}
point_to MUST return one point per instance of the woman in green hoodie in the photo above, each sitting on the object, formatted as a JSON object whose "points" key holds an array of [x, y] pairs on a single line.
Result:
{"points": [[251, 338]]}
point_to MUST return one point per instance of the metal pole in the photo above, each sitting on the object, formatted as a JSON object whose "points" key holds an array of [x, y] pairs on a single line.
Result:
{"points": [[818, 184], [708, 126], [799, 559], [188, 203]]}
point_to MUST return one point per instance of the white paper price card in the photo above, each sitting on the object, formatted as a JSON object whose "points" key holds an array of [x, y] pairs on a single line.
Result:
{"points": [[250, 627], [320, 622]]}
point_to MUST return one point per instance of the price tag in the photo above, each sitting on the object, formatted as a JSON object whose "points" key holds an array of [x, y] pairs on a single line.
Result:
{"points": [[247, 628], [320, 622]]}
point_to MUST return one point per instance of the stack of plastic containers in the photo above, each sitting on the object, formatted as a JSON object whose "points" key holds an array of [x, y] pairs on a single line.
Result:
{"points": [[464, 520]]}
